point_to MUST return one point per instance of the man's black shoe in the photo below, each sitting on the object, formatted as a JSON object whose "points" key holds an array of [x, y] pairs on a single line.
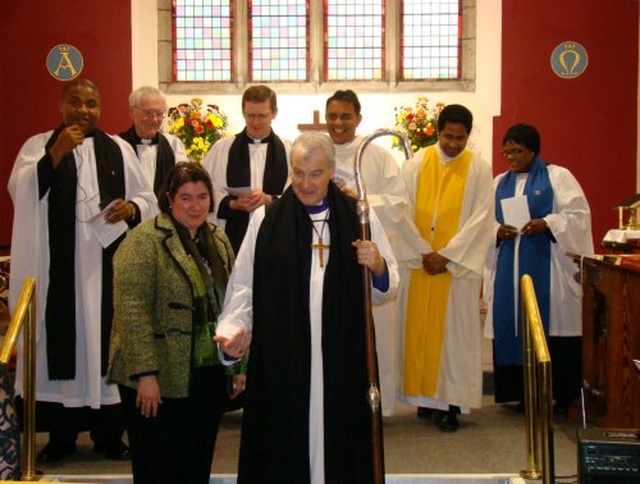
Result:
{"points": [[55, 453], [114, 451], [448, 421], [424, 412]]}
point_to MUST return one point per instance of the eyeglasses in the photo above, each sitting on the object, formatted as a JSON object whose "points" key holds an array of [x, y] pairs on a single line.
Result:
{"points": [[512, 153], [149, 113]]}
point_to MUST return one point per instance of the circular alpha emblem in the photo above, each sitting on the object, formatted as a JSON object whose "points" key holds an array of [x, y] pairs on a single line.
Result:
{"points": [[64, 62], [569, 59]]}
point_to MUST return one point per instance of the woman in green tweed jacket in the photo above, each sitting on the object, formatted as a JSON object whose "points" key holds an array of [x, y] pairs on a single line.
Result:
{"points": [[170, 276]]}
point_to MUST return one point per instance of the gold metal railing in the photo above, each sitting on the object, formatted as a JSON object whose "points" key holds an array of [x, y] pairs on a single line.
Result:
{"points": [[538, 391], [25, 309]]}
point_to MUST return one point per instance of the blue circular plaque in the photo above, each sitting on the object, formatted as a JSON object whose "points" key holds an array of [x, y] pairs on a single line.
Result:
{"points": [[569, 59], [64, 62]]}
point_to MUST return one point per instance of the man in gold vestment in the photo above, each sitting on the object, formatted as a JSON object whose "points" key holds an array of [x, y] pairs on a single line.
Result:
{"points": [[451, 189]]}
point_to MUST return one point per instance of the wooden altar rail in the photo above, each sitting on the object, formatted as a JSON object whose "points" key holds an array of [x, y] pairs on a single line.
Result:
{"points": [[25, 309], [538, 392]]}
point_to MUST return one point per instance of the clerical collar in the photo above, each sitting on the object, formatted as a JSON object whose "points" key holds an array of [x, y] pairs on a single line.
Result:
{"points": [[146, 141], [251, 140], [313, 209], [446, 158]]}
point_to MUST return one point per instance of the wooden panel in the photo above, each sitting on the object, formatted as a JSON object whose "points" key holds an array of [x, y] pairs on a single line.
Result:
{"points": [[611, 340]]}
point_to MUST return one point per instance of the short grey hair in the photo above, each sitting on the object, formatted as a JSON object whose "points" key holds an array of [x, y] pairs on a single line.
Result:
{"points": [[312, 143], [145, 91]]}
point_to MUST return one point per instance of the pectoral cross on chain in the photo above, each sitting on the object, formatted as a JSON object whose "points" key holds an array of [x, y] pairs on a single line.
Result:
{"points": [[321, 247]]}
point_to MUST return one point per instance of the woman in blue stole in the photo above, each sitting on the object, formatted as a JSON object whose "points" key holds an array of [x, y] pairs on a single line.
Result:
{"points": [[558, 222]]}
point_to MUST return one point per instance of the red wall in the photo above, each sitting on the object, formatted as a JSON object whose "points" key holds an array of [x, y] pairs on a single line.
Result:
{"points": [[30, 96], [588, 123]]}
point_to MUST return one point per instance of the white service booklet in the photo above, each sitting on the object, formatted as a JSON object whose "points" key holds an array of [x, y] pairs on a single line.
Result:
{"points": [[516, 211]]}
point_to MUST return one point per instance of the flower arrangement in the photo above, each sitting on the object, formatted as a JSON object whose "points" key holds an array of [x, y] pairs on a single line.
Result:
{"points": [[197, 126], [419, 122]]}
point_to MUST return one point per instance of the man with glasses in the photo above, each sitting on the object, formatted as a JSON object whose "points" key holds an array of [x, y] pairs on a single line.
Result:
{"points": [[250, 169], [157, 151]]}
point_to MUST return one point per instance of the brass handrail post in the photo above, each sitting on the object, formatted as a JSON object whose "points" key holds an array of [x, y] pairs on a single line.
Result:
{"points": [[25, 307], [531, 399], [538, 389], [29, 472]]}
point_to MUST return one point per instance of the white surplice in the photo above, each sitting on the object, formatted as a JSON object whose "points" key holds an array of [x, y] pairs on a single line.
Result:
{"points": [[30, 257], [570, 224], [148, 154], [217, 160], [387, 197]]}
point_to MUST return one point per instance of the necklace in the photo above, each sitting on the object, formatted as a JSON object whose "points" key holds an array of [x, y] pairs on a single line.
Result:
{"points": [[319, 244]]}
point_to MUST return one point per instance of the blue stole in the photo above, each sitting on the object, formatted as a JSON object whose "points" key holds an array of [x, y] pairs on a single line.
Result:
{"points": [[534, 256]]}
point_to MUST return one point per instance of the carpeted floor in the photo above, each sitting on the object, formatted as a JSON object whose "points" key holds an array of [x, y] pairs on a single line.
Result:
{"points": [[490, 441]]}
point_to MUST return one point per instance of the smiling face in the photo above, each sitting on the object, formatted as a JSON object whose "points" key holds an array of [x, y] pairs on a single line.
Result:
{"points": [[453, 138], [342, 121], [81, 107], [190, 205], [310, 176], [148, 116], [517, 156]]}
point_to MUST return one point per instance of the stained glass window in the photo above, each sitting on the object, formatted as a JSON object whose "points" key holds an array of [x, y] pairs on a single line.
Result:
{"points": [[317, 41], [278, 40], [354, 37], [431, 39], [202, 40]]}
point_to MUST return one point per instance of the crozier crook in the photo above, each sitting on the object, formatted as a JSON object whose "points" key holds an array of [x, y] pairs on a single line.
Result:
{"points": [[372, 364]]}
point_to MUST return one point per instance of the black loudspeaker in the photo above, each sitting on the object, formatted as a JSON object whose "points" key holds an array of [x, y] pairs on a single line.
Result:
{"points": [[608, 456]]}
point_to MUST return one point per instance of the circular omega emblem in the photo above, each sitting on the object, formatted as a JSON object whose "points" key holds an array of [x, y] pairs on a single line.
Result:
{"points": [[64, 62], [569, 59]]}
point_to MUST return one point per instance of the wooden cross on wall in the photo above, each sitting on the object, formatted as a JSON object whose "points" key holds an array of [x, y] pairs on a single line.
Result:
{"points": [[315, 126]]}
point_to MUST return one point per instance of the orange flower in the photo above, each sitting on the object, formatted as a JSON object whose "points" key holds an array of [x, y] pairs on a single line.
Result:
{"points": [[197, 126], [418, 122]]}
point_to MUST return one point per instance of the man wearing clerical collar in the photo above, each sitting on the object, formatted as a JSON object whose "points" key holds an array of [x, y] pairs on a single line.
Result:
{"points": [[157, 151], [76, 192], [259, 168], [451, 190], [387, 197], [300, 305]]}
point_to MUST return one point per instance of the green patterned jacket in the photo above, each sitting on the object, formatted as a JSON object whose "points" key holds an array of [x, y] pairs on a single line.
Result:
{"points": [[153, 300]]}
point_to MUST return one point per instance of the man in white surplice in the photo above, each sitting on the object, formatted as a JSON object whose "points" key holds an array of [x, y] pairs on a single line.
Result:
{"points": [[296, 296], [387, 197], [157, 151], [76, 191]]}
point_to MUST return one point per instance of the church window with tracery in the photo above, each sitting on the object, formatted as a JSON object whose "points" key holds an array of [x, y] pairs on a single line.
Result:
{"points": [[314, 43]]}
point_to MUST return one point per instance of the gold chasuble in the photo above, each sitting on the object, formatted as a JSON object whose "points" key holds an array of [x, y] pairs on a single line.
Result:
{"points": [[439, 197]]}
